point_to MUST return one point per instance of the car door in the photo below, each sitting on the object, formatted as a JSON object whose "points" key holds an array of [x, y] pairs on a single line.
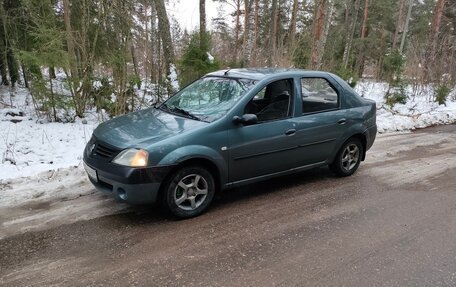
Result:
{"points": [[268, 146], [322, 121]]}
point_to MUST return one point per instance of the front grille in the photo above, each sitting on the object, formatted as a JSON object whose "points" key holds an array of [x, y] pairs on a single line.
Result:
{"points": [[104, 151]]}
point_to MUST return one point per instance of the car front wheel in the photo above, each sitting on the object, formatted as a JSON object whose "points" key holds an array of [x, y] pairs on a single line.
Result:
{"points": [[189, 191], [348, 158]]}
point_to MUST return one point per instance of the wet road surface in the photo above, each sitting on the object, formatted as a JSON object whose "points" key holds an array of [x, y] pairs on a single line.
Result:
{"points": [[391, 224]]}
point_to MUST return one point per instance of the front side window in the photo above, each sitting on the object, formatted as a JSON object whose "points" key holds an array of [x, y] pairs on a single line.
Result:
{"points": [[273, 102], [208, 99], [318, 95]]}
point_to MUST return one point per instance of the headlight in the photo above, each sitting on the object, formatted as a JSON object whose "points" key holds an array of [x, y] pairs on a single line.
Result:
{"points": [[132, 157]]}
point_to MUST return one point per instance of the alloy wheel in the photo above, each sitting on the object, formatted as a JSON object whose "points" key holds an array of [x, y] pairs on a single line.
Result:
{"points": [[191, 192], [350, 157]]}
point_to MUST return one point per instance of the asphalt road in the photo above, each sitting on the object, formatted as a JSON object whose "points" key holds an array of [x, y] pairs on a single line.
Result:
{"points": [[391, 224]]}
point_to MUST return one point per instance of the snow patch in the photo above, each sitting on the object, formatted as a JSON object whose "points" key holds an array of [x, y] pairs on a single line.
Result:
{"points": [[210, 57], [420, 111], [172, 77]]}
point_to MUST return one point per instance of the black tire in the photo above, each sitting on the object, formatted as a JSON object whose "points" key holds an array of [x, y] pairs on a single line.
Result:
{"points": [[194, 200], [348, 158]]}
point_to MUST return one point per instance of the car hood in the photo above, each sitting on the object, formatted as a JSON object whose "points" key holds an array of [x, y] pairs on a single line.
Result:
{"points": [[143, 128]]}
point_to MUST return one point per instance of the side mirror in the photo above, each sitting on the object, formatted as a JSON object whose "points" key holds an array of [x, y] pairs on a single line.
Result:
{"points": [[247, 119]]}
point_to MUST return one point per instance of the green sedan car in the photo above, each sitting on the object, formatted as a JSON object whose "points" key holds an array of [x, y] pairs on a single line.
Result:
{"points": [[231, 128]]}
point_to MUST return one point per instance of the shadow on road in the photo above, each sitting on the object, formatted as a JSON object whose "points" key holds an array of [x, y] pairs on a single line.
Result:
{"points": [[147, 214]]}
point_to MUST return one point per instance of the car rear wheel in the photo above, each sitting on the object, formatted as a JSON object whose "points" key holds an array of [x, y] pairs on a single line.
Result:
{"points": [[348, 158], [189, 191]]}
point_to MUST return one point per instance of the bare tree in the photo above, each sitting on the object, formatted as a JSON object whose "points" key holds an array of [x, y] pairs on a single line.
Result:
{"points": [[167, 43], [407, 21], [350, 32], [273, 32], [399, 21], [318, 33], [292, 28], [202, 12], [248, 35], [256, 23], [365, 17], [433, 37]]}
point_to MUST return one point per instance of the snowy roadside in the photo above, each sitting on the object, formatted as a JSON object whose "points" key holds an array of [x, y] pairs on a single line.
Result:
{"points": [[420, 111], [50, 199], [30, 146]]}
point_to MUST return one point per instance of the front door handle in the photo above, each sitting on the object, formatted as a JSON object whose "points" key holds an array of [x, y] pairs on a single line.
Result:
{"points": [[341, 121], [290, 132]]}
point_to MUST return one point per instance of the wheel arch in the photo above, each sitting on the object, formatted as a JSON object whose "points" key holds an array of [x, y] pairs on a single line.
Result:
{"points": [[363, 139], [203, 162], [358, 135], [198, 155]]}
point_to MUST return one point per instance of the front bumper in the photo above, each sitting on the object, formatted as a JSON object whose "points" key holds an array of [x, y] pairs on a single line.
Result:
{"points": [[132, 185]]}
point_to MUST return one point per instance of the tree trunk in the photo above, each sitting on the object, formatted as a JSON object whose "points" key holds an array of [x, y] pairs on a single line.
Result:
{"points": [[135, 63], [24, 75], [256, 20], [326, 31], [202, 12], [248, 37], [3, 59], [433, 38], [13, 68], [237, 30], [365, 17], [3, 47], [273, 33], [154, 46], [167, 43], [292, 28], [398, 24], [407, 21], [360, 60], [69, 36], [317, 34], [351, 35]]}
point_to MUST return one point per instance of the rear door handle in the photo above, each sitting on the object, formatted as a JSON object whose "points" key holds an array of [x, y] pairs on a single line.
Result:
{"points": [[341, 121], [290, 132]]}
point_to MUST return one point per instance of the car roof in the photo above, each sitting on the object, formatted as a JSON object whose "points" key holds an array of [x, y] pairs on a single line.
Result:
{"points": [[263, 73]]}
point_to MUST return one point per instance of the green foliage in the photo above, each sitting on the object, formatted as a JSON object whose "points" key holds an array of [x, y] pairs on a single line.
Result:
{"points": [[397, 96], [46, 100], [396, 93], [102, 95], [301, 55], [195, 62], [441, 94], [393, 66], [348, 75]]}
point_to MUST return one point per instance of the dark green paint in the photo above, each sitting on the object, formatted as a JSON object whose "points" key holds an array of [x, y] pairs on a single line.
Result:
{"points": [[248, 153]]}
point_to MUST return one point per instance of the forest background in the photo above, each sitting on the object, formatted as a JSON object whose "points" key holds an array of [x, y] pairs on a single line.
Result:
{"points": [[120, 55]]}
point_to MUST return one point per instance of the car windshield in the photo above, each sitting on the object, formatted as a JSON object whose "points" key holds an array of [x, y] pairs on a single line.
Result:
{"points": [[208, 99]]}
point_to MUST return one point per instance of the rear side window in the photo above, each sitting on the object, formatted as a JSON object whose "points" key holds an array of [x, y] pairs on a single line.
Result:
{"points": [[318, 95]]}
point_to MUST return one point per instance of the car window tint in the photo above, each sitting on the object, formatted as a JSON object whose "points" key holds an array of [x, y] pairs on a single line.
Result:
{"points": [[318, 95], [273, 102]]}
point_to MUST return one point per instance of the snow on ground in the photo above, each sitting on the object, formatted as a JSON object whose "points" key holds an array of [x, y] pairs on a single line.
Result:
{"points": [[420, 111], [30, 146]]}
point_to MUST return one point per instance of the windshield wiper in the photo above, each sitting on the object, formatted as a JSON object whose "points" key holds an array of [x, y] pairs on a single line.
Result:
{"points": [[185, 113], [180, 111]]}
